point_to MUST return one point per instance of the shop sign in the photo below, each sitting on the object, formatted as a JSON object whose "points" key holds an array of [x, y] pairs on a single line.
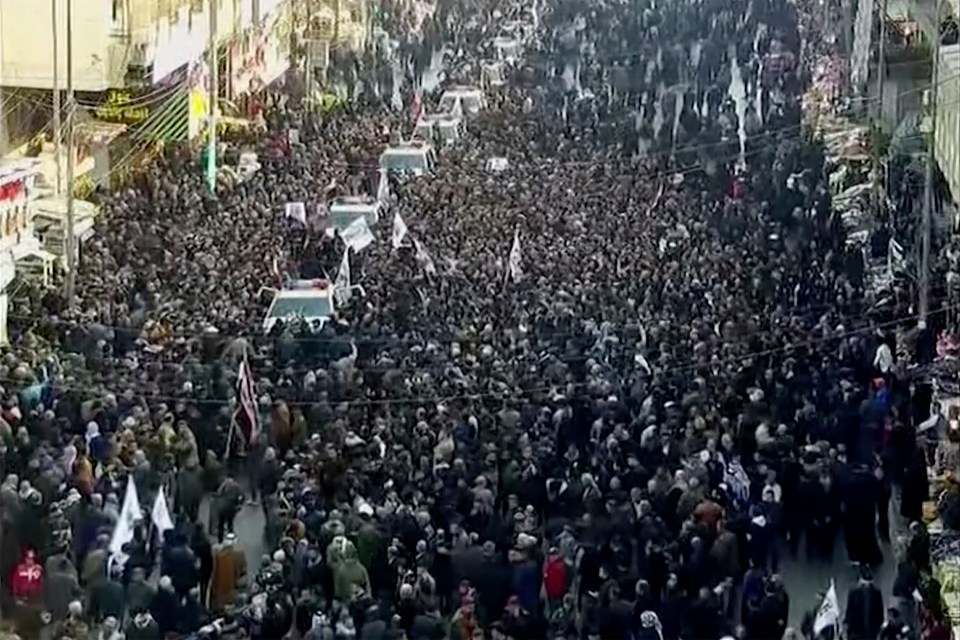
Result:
{"points": [[12, 191], [118, 107]]}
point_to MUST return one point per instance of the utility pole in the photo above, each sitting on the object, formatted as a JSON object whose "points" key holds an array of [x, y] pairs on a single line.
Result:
{"points": [[881, 61], [310, 34], [211, 168], [71, 161], [927, 222], [881, 73], [57, 107]]}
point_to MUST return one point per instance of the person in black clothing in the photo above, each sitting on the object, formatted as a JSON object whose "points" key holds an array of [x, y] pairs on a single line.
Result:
{"points": [[864, 613]]}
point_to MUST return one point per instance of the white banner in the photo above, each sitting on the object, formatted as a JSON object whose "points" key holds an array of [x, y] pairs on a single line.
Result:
{"points": [[358, 236], [297, 211]]}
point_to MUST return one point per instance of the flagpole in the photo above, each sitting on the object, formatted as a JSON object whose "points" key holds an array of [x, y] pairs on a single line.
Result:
{"points": [[233, 425]]}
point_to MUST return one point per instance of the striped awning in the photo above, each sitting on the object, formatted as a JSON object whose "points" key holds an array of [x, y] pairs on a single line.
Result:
{"points": [[168, 123]]}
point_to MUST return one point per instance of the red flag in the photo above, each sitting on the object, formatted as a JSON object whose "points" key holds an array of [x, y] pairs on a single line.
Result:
{"points": [[416, 107], [245, 420]]}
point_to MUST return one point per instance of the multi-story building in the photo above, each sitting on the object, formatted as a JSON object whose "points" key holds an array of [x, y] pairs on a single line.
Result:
{"points": [[132, 44], [946, 147], [131, 58]]}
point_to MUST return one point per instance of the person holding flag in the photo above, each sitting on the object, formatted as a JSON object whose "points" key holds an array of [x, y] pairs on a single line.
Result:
{"points": [[824, 622], [341, 286], [515, 260], [245, 423], [399, 230]]}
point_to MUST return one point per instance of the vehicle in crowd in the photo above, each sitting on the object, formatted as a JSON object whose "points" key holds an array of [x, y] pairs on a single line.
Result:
{"points": [[520, 30], [309, 300], [497, 164], [491, 73], [463, 99], [344, 210], [438, 128], [415, 157], [508, 48]]}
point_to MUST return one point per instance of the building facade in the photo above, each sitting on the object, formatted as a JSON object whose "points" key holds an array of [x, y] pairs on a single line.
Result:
{"points": [[20, 249], [130, 44], [946, 146]]}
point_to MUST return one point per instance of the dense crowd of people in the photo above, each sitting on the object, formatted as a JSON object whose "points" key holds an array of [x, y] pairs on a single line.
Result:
{"points": [[598, 396]]}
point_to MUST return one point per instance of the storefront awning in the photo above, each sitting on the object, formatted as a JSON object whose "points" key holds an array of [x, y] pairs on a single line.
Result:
{"points": [[35, 253], [169, 123]]}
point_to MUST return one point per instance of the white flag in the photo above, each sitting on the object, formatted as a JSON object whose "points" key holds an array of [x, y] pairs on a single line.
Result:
{"points": [[828, 613], [129, 516], [357, 235], [399, 230], [424, 258], [341, 286], [383, 189], [515, 259], [296, 211], [160, 514]]}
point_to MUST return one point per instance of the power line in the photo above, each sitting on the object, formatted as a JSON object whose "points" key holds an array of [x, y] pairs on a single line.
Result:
{"points": [[732, 360]]}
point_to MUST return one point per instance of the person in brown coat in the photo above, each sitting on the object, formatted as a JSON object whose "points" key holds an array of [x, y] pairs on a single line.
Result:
{"points": [[281, 428], [229, 567]]}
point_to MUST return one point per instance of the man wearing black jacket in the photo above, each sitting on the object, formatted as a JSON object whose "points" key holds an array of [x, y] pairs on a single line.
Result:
{"points": [[864, 612]]}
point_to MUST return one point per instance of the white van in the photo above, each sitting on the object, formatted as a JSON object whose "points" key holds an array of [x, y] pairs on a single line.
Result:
{"points": [[508, 48], [463, 99], [308, 300], [439, 128], [491, 73], [415, 157], [345, 209]]}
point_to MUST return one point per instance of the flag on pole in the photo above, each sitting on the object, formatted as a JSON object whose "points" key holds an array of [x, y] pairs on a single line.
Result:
{"points": [[341, 286], [737, 481], [396, 100], [416, 107], [296, 211], [399, 230], [424, 258], [210, 168], [515, 258], [383, 188], [160, 515], [245, 419], [828, 613], [129, 516]]}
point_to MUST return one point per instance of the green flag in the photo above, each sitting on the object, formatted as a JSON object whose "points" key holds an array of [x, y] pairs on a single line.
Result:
{"points": [[210, 169]]}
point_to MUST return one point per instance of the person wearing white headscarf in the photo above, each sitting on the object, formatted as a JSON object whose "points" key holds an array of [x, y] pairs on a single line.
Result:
{"points": [[650, 627]]}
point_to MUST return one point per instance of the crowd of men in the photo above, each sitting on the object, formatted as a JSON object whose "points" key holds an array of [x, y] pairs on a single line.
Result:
{"points": [[594, 395]]}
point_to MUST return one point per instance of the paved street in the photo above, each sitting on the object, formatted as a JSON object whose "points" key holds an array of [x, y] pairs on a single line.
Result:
{"points": [[803, 579]]}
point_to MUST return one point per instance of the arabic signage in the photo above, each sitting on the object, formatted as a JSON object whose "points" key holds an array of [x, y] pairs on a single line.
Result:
{"points": [[120, 106]]}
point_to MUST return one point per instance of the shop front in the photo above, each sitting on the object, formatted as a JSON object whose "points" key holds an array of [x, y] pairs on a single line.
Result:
{"points": [[17, 240]]}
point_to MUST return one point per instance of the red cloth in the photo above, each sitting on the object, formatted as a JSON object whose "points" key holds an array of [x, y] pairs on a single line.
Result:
{"points": [[27, 580], [555, 578], [738, 190]]}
